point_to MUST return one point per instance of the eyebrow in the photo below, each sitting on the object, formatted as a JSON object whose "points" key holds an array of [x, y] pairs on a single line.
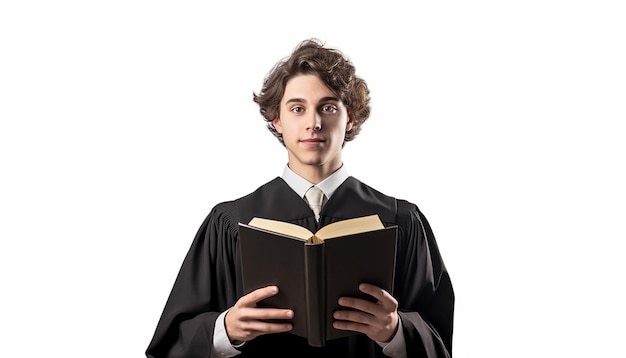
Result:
{"points": [[323, 99]]}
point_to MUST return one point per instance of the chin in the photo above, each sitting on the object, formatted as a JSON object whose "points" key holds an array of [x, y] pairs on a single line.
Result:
{"points": [[312, 161]]}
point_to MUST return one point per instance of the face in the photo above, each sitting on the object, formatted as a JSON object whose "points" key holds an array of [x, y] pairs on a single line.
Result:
{"points": [[313, 123]]}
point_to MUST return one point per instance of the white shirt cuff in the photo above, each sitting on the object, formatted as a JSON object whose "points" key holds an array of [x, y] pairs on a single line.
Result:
{"points": [[222, 348], [396, 347]]}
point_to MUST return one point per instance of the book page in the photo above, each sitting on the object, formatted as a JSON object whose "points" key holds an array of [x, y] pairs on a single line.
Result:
{"points": [[282, 227], [350, 226]]}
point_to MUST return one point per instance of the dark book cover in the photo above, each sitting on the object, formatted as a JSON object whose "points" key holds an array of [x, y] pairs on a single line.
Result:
{"points": [[312, 277]]}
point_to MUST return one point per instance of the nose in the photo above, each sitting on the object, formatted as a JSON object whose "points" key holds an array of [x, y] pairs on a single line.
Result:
{"points": [[314, 122]]}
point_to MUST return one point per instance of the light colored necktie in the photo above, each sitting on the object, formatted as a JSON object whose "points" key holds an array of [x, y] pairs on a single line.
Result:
{"points": [[315, 198]]}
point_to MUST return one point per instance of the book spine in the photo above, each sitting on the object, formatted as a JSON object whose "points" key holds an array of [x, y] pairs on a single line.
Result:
{"points": [[315, 294]]}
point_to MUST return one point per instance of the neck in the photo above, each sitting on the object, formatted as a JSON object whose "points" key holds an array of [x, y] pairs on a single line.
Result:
{"points": [[315, 173]]}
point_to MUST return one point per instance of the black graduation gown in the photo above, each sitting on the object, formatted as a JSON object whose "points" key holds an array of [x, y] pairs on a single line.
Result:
{"points": [[209, 281]]}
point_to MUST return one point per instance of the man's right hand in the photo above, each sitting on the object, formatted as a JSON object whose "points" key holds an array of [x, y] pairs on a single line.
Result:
{"points": [[245, 321]]}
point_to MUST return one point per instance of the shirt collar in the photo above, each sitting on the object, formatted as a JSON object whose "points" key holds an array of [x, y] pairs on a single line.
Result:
{"points": [[328, 185]]}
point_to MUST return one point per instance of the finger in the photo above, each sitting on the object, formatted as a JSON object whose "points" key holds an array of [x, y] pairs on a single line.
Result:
{"points": [[351, 326], [378, 332], [257, 295], [360, 317], [378, 293], [242, 331], [248, 313], [383, 297], [359, 304], [378, 318], [379, 327], [260, 327], [245, 323]]}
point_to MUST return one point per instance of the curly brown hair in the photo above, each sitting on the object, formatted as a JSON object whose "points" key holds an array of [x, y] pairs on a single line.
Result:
{"points": [[332, 67]]}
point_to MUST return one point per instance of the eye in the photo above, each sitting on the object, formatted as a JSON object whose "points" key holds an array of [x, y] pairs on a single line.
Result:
{"points": [[329, 108], [297, 109]]}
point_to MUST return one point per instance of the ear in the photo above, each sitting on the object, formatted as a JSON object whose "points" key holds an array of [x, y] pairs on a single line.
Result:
{"points": [[277, 126], [350, 122]]}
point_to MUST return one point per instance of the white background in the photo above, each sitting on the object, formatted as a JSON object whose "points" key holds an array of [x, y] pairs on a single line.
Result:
{"points": [[124, 122]]}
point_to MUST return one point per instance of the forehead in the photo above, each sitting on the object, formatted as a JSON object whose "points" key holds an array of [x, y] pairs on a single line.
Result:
{"points": [[309, 88]]}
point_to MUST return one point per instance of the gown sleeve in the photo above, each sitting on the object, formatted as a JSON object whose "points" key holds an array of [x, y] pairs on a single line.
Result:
{"points": [[205, 287], [422, 287]]}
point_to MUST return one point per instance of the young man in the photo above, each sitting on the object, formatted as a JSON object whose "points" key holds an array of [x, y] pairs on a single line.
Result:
{"points": [[313, 103]]}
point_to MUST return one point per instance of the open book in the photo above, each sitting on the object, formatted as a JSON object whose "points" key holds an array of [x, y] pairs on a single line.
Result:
{"points": [[312, 270]]}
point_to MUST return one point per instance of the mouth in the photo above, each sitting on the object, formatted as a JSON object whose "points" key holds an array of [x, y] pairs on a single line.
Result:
{"points": [[312, 140]]}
